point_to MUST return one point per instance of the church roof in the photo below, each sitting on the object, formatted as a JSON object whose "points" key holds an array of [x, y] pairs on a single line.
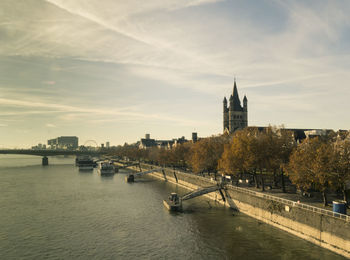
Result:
{"points": [[235, 99], [146, 143]]}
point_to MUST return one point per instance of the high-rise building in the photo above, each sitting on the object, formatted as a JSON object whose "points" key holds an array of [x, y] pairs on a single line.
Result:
{"points": [[63, 142]]}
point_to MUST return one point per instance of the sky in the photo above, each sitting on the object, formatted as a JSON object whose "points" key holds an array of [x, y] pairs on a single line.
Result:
{"points": [[115, 70]]}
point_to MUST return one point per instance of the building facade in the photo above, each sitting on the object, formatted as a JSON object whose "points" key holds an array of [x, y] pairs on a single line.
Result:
{"points": [[234, 115], [148, 142], [64, 142]]}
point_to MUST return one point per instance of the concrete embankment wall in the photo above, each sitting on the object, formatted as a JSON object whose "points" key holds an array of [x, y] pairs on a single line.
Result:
{"points": [[326, 231]]}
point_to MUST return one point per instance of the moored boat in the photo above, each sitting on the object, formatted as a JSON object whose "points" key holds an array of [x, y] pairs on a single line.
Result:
{"points": [[173, 203], [105, 169], [85, 163]]}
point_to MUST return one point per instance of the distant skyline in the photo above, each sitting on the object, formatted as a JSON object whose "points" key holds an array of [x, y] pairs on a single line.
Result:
{"points": [[115, 70]]}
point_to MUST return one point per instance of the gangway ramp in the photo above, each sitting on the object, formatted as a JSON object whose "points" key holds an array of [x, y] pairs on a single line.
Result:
{"points": [[174, 202], [200, 192], [131, 176]]}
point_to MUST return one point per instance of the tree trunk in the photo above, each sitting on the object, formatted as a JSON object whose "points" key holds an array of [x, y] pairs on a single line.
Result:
{"points": [[262, 181], [282, 182], [140, 166], [255, 180], [345, 195], [274, 178], [324, 195]]}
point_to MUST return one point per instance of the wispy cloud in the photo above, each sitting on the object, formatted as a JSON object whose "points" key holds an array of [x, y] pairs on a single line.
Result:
{"points": [[73, 113], [138, 33], [49, 82], [145, 55]]}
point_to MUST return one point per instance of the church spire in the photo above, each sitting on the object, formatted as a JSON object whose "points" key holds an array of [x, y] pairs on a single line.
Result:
{"points": [[235, 98], [235, 91]]}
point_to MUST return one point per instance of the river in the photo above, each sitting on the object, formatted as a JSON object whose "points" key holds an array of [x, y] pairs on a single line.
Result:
{"points": [[57, 212]]}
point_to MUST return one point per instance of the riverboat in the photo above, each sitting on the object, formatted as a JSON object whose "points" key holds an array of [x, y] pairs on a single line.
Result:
{"points": [[85, 163], [130, 178], [106, 169]]}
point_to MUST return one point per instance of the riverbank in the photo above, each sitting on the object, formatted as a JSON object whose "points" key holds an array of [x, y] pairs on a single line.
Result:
{"points": [[321, 227]]}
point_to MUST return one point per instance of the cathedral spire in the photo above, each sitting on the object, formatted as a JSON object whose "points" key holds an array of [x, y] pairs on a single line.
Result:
{"points": [[234, 86], [235, 97], [235, 91]]}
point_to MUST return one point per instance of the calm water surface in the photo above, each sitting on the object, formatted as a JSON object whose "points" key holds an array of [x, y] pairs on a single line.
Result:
{"points": [[57, 212]]}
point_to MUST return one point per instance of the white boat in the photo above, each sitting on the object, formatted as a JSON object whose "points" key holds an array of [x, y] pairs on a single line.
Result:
{"points": [[105, 169], [85, 164]]}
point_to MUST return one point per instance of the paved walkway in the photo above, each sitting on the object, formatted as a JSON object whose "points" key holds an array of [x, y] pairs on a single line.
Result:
{"points": [[315, 199]]}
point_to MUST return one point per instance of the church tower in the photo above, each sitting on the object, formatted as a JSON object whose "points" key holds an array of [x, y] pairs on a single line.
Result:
{"points": [[245, 111], [226, 125], [235, 116]]}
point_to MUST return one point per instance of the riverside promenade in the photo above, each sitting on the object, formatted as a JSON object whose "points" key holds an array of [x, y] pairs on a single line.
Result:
{"points": [[313, 199], [315, 224]]}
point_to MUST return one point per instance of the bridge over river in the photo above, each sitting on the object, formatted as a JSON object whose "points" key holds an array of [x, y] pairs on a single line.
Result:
{"points": [[47, 152]]}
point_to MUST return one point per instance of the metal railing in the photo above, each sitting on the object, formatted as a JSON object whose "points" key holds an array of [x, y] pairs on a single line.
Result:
{"points": [[274, 198], [292, 203]]}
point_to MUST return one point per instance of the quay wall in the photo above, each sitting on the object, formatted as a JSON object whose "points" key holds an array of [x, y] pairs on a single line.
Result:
{"points": [[321, 229]]}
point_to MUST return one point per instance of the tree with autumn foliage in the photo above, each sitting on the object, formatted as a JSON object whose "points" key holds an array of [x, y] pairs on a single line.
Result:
{"points": [[311, 165], [205, 154], [252, 151], [341, 164], [246, 153], [284, 146], [153, 155], [164, 157], [181, 155], [253, 156], [233, 157]]}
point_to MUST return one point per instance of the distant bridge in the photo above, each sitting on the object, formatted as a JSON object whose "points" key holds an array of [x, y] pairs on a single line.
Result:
{"points": [[48, 152]]}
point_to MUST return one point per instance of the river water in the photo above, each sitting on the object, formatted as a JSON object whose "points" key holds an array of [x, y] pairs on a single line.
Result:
{"points": [[57, 212]]}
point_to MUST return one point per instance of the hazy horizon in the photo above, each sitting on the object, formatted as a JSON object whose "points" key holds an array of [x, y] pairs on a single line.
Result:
{"points": [[115, 70]]}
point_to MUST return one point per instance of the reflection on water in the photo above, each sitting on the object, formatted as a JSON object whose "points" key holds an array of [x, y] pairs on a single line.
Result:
{"points": [[13, 160], [58, 212]]}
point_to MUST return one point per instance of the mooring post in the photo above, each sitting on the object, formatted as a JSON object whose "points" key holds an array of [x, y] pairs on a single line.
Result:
{"points": [[175, 175], [164, 175], [222, 195], [140, 166], [45, 161]]}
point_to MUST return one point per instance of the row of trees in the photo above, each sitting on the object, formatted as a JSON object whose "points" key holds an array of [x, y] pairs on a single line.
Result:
{"points": [[252, 151], [322, 164], [319, 163]]}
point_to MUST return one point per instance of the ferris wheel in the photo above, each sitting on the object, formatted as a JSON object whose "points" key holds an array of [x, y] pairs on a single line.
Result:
{"points": [[90, 143]]}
